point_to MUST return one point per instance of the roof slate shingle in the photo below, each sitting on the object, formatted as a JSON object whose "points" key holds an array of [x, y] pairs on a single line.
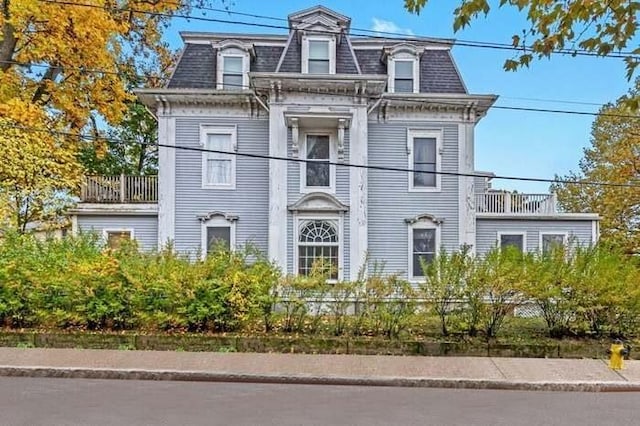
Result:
{"points": [[438, 73], [266, 59], [196, 68], [344, 59], [292, 57], [369, 61]]}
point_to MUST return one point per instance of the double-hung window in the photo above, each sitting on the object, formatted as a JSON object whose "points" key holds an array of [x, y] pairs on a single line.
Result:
{"points": [[403, 77], [424, 160], [319, 61], [512, 239], [218, 237], [549, 241], [423, 249], [318, 171], [232, 73], [218, 159]]}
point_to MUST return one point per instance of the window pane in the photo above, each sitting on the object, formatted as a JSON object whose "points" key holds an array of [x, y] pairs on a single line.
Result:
{"points": [[549, 241], [218, 171], [424, 150], [320, 256], [404, 69], [318, 66], [424, 241], [318, 49], [515, 240], [116, 238], [318, 231], [220, 142], [424, 179], [218, 237], [417, 264], [318, 174], [318, 147], [232, 82], [403, 86], [232, 65]]}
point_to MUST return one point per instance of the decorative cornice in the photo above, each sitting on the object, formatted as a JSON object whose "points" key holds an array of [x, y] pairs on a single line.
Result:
{"points": [[226, 216], [424, 216], [318, 202]]}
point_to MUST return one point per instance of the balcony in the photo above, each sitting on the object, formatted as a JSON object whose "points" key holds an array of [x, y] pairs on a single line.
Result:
{"points": [[122, 189], [508, 203]]}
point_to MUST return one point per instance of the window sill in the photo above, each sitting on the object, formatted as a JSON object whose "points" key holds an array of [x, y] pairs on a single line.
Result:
{"points": [[220, 187], [425, 189]]}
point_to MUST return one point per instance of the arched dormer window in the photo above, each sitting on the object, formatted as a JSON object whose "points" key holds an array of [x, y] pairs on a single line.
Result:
{"points": [[403, 68], [233, 62]]}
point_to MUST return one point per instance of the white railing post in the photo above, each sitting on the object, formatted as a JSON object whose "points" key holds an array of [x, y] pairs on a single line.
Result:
{"points": [[507, 202], [122, 188]]}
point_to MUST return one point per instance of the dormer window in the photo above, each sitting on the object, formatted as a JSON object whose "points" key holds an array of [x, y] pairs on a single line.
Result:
{"points": [[232, 75], [233, 64], [318, 55], [403, 65]]}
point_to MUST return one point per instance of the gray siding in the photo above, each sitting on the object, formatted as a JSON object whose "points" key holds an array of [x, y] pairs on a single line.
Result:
{"points": [[390, 201], [294, 194], [249, 201], [487, 231], [145, 228]]}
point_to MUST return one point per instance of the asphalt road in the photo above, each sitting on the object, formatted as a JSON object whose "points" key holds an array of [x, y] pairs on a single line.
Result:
{"points": [[30, 401]]}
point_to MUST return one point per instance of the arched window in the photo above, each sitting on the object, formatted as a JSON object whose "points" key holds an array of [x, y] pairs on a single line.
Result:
{"points": [[318, 242]]}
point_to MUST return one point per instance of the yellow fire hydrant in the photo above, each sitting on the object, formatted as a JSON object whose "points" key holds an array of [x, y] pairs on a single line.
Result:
{"points": [[617, 352]]}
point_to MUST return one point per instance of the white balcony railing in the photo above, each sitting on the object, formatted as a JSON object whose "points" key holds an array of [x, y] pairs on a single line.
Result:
{"points": [[119, 189], [514, 203]]}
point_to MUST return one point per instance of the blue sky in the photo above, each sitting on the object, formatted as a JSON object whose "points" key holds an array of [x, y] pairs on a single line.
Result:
{"points": [[507, 142]]}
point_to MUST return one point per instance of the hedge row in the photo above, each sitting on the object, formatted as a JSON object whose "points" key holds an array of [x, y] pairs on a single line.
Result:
{"points": [[77, 283]]}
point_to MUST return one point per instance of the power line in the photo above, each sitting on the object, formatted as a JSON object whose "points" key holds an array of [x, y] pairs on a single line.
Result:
{"points": [[272, 26], [88, 138], [390, 96]]}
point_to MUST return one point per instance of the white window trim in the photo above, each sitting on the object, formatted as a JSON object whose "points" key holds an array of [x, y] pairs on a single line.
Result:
{"points": [[298, 218], [305, 52], [524, 238], [206, 130], [333, 155], [391, 71], [421, 224], [107, 231], [217, 222], [226, 53], [419, 133], [565, 236]]}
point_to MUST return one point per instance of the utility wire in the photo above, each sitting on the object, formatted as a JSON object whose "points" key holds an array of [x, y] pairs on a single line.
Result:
{"points": [[88, 138], [389, 96], [272, 26]]}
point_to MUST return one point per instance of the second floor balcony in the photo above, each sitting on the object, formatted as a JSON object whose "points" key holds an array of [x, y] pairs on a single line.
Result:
{"points": [[509, 203], [119, 189]]}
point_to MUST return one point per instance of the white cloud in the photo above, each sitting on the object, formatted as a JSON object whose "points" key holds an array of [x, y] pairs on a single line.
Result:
{"points": [[381, 26]]}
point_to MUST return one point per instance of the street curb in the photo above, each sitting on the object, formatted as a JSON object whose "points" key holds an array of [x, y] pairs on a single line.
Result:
{"points": [[222, 377]]}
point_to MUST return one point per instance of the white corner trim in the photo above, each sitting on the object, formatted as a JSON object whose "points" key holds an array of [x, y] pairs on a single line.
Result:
{"points": [[166, 180], [74, 225], [524, 238], [278, 213], [216, 222], [565, 237], [595, 231], [206, 130], [466, 184], [358, 190], [421, 224], [424, 133]]}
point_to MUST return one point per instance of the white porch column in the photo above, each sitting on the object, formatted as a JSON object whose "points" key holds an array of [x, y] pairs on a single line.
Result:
{"points": [[358, 188], [278, 187], [466, 196], [166, 180]]}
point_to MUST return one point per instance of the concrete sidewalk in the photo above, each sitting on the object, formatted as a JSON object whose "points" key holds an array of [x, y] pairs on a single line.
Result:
{"points": [[449, 372]]}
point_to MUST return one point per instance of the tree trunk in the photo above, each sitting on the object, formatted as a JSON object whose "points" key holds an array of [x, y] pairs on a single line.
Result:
{"points": [[9, 40]]}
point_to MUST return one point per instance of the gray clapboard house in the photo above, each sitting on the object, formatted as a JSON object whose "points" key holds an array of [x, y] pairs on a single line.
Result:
{"points": [[320, 95]]}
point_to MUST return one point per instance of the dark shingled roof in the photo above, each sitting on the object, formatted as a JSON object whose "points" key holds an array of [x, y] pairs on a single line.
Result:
{"points": [[438, 73], [292, 58], [196, 68], [344, 59], [369, 61], [266, 59]]}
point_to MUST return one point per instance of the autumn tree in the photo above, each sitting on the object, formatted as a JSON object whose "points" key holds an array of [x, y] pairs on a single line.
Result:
{"points": [[613, 157], [70, 62], [572, 27]]}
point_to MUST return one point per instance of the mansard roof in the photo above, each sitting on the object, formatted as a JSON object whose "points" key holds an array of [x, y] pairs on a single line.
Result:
{"points": [[196, 68]]}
